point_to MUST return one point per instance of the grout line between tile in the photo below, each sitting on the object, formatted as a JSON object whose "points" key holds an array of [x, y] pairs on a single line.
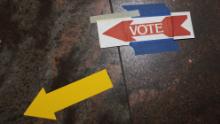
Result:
{"points": [[123, 72]]}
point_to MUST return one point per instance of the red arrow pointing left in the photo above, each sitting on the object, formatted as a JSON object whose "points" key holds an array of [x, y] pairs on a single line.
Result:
{"points": [[121, 31], [170, 26]]}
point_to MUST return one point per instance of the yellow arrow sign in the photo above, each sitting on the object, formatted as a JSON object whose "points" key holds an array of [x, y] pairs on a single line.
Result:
{"points": [[45, 105]]}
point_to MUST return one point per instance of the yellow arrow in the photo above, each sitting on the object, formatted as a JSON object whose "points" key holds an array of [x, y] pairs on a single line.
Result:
{"points": [[45, 105]]}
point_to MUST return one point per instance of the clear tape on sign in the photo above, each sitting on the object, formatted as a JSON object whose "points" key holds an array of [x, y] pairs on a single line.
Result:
{"points": [[94, 19]]}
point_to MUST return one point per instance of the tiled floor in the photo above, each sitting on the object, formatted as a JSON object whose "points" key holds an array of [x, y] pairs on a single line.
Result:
{"points": [[50, 43]]}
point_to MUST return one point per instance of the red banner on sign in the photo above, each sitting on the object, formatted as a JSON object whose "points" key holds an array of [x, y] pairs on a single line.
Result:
{"points": [[170, 26]]}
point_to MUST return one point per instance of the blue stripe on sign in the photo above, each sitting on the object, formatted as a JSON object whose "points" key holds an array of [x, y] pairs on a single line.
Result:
{"points": [[155, 46], [148, 10]]}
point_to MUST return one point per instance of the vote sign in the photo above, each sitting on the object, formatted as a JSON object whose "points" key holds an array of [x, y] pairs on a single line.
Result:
{"points": [[122, 31]]}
